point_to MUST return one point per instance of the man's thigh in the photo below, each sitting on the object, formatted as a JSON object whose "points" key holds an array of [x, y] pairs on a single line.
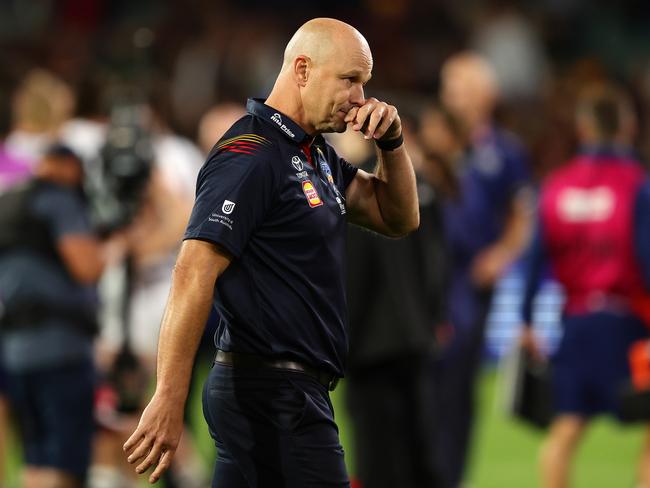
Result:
{"points": [[276, 428]]}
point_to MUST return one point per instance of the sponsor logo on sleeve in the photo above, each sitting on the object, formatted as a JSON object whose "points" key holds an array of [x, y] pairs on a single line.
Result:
{"points": [[220, 218], [228, 207], [312, 195]]}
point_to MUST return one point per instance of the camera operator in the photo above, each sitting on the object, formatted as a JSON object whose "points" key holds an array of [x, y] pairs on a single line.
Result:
{"points": [[156, 198], [50, 260]]}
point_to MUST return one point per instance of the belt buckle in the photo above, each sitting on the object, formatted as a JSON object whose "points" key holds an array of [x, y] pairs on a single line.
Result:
{"points": [[333, 383]]}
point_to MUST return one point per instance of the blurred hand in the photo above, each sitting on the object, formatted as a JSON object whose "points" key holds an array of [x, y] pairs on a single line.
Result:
{"points": [[114, 249], [375, 120], [489, 265], [154, 441], [444, 334], [531, 343]]}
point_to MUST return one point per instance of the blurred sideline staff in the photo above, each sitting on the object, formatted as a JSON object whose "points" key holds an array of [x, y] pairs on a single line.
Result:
{"points": [[50, 260], [395, 301], [486, 225], [594, 230], [12, 171], [145, 175]]}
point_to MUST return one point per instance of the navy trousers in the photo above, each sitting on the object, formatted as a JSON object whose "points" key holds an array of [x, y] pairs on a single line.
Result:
{"points": [[272, 428]]}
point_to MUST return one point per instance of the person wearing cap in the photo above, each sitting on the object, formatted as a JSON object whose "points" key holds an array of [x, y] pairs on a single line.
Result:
{"points": [[49, 262], [266, 245]]}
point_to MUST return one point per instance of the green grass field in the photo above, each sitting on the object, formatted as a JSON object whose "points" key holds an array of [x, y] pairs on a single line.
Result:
{"points": [[505, 451]]}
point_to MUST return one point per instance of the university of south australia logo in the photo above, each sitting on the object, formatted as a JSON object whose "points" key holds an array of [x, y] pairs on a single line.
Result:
{"points": [[227, 207]]}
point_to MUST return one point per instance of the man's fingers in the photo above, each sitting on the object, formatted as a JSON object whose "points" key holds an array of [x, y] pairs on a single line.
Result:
{"points": [[153, 458], [352, 113], [375, 119], [140, 451], [360, 119], [132, 441], [386, 122], [163, 464]]}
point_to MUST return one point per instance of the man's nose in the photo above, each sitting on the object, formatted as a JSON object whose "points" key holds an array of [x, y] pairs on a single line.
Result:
{"points": [[356, 95]]}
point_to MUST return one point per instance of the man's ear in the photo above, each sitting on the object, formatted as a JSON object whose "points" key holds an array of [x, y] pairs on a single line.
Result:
{"points": [[301, 69]]}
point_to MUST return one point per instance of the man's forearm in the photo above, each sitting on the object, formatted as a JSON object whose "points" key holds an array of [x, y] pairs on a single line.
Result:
{"points": [[396, 191], [180, 333], [187, 311], [517, 231]]}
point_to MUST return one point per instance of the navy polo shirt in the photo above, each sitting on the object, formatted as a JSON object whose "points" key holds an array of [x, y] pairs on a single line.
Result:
{"points": [[274, 197], [494, 169]]}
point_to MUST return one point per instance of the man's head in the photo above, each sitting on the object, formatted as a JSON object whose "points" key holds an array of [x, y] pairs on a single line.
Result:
{"points": [[216, 121], [604, 115], [326, 64], [61, 165], [469, 88]]}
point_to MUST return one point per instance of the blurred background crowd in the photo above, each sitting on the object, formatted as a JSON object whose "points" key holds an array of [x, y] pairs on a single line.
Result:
{"points": [[125, 99]]}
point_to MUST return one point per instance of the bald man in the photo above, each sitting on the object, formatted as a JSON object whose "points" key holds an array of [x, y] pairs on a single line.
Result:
{"points": [[486, 228], [265, 246]]}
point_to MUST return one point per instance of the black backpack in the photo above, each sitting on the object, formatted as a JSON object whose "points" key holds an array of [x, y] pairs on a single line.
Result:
{"points": [[19, 227]]}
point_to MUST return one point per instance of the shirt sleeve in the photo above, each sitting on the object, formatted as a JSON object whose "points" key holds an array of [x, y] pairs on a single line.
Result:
{"points": [[516, 171], [233, 194], [642, 231], [534, 264], [348, 173], [65, 212]]}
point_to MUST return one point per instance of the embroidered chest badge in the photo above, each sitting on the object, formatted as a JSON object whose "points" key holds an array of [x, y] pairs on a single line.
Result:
{"points": [[312, 195]]}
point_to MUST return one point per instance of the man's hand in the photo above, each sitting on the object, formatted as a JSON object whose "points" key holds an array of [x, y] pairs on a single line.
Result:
{"points": [[156, 438], [489, 265], [375, 120], [531, 343]]}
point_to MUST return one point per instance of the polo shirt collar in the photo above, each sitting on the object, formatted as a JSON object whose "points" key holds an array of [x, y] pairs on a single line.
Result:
{"points": [[282, 122]]}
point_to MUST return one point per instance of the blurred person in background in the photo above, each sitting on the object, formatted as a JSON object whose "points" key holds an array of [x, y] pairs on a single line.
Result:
{"points": [[215, 122], [268, 227], [153, 239], [395, 289], [594, 232], [41, 104], [12, 170], [49, 262], [443, 143], [486, 226]]}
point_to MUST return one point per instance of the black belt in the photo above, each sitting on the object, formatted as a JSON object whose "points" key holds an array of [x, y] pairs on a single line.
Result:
{"points": [[252, 361]]}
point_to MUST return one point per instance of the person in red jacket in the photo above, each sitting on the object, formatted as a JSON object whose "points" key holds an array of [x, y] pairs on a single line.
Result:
{"points": [[594, 231]]}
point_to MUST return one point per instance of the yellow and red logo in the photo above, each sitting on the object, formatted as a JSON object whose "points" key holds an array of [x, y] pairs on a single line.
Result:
{"points": [[311, 194]]}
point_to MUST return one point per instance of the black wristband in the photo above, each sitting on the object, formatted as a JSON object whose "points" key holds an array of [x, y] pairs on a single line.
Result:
{"points": [[391, 144]]}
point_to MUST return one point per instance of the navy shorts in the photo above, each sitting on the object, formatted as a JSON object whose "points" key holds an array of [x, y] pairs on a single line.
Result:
{"points": [[272, 429], [54, 409], [591, 364]]}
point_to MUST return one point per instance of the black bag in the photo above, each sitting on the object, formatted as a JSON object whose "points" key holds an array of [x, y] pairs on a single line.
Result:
{"points": [[634, 404], [527, 388]]}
